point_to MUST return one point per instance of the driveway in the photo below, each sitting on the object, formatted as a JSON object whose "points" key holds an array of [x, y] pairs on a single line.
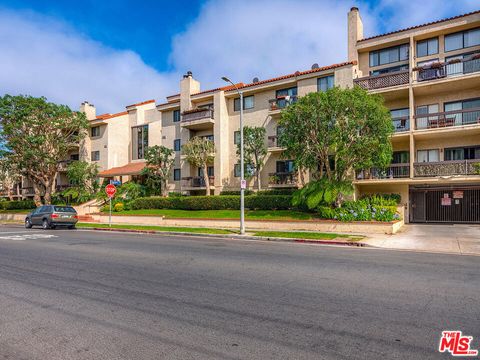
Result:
{"points": [[456, 238]]}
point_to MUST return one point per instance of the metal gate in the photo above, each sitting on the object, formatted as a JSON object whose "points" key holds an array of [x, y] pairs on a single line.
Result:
{"points": [[445, 205]]}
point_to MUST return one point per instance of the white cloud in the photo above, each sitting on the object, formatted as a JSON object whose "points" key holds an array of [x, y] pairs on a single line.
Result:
{"points": [[40, 56], [43, 56]]}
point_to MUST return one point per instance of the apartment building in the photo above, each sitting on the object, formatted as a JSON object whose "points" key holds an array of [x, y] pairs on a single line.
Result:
{"points": [[429, 76]]}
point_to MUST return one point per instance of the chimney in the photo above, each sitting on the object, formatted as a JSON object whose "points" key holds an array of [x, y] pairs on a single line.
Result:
{"points": [[188, 86], [89, 110], [355, 32]]}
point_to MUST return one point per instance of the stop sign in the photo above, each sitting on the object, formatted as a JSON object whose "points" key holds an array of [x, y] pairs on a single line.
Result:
{"points": [[110, 189]]}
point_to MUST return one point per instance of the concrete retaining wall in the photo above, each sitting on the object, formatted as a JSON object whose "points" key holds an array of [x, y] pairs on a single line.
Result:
{"points": [[322, 226]]}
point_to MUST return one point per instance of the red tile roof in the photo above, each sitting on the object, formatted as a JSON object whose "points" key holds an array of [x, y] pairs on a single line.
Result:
{"points": [[141, 103], [422, 25], [295, 74], [169, 102], [109, 116], [129, 169]]}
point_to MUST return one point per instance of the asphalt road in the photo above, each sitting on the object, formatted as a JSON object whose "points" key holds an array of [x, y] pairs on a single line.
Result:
{"points": [[97, 295]]}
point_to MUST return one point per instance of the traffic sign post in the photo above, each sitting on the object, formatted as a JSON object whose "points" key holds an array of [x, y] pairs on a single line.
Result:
{"points": [[110, 189]]}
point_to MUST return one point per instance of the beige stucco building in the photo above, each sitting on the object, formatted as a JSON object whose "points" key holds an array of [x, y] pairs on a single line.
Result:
{"points": [[429, 76]]}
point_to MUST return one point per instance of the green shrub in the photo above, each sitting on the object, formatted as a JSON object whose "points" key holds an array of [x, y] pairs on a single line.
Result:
{"points": [[236, 192], [276, 192], [359, 210], [382, 199], [212, 202], [17, 205], [118, 207]]}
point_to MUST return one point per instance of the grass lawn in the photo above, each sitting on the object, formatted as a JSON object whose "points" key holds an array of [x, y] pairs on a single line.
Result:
{"points": [[307, 235], [21, 211], [159, 228], [222, 214]]}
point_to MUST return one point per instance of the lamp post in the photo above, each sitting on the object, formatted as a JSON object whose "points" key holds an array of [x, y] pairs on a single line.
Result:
{"points": [[242, 167]]}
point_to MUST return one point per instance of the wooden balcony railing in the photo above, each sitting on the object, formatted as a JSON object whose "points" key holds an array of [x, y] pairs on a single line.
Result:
{"points": [[196, 181], [282, 102], [446, 168], [282, 178], [455, 67], [197, 114], [383, 80], [401, 124], [448, 119], [394, 171]]}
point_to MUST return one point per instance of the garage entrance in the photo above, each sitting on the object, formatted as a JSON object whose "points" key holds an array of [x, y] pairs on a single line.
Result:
{"points": [[454, 204]]}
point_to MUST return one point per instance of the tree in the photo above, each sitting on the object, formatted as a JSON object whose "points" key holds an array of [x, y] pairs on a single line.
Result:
{"points": [[254, 150], [39, 135], [82, 176], [336, 132], [200, 152], [9, 176], [159, 161]]}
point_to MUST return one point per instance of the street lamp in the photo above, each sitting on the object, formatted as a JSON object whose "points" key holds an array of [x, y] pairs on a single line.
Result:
{"points": [[242, 169]]}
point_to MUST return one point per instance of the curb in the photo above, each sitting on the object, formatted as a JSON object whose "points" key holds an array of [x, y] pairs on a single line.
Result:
{"points": [[238, 237]]}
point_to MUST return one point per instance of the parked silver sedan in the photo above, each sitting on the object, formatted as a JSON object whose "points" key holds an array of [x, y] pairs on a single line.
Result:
{"points": [[51, 216]]}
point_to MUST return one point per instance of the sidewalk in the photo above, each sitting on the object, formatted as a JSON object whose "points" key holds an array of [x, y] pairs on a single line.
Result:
{"points": [[442, 238]]}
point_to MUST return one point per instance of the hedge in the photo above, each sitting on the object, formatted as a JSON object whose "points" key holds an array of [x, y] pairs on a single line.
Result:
{"points": [[224, 202], [17, 205], [235, 192], [277, 192]]}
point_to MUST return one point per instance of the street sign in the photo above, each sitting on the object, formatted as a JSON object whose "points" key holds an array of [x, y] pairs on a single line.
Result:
{"points": [[116, 182], [243, 184], [110, 189]]}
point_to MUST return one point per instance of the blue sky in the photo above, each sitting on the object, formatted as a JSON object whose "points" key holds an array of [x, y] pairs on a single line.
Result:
{"points": [[114, 53]]}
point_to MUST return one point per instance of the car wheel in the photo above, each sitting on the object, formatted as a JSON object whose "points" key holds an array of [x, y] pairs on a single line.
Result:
{"points": [[28, 224], [45, 224], [71, 227]]}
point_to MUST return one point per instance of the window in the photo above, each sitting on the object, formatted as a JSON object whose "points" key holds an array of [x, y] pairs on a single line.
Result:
{"points": [[285, 166], [400, 157], [427, 62], [467, 153], [428, 155], [462, 39], [95, 131], [427, 47], [400, 118], [389, 70], [95, 155], [286, 92], [249, 170], [140, 141], [248, 103], [236, 170], [176, 115], [209, 171], [325, 83], [177, 145], [389, 55], [177, 174], [424, 121], [236, 137], [75, 157], [469, 117]]}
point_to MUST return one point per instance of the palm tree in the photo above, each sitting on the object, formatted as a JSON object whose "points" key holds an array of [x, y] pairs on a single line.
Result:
{"points": [[200, 152]]}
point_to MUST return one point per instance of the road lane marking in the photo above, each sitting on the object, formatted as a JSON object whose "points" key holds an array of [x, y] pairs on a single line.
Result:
{"points": [[24, 237]]}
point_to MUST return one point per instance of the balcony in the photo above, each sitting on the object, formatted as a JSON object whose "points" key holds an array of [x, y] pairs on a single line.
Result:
{"points": [[198, 119], [282, 179], [447, 119], [272, 143], [401, 124], [394, 171], [282, 102], [446, 168], [451, 68], [383, 81], [196, 182]]}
